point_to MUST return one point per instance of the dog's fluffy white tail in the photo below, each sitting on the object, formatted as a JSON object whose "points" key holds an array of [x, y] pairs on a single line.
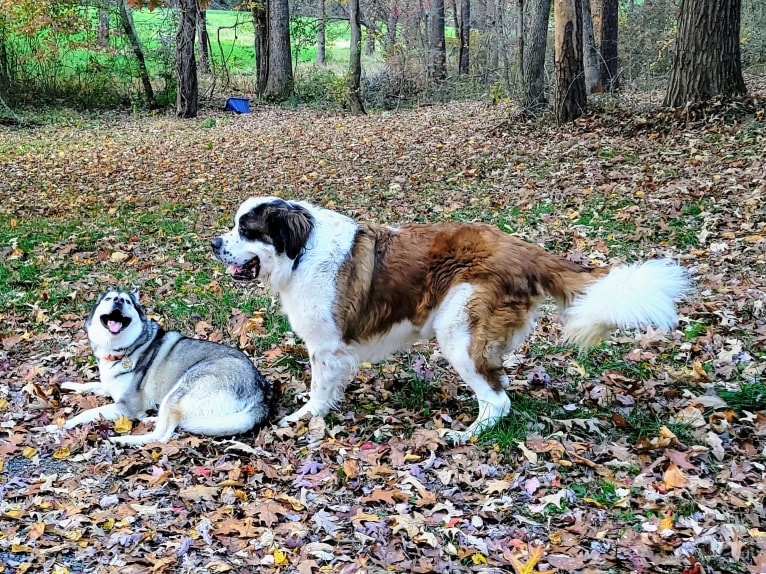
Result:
{"points": [[629, 296]]}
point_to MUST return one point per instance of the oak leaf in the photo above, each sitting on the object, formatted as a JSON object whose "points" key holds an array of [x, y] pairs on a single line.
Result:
{"points": [[674, 478]]}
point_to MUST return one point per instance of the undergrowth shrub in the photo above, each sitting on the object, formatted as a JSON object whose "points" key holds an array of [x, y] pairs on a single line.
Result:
{"points": [[320, 86]]}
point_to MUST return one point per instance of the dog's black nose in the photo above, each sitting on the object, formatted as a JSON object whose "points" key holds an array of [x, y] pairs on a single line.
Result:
{"points": [[216, 243]]}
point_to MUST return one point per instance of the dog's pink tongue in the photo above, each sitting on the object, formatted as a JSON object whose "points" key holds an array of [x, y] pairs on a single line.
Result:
{"points": [[232, 269], [114, 326]]}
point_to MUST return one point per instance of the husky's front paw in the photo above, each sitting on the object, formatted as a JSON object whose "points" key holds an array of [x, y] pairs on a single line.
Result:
{"points": [[132, 439], [51, 429], [71, 386], [458, 437]]}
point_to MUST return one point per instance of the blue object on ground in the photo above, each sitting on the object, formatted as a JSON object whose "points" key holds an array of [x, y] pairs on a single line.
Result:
{"points": [[239, 105]]}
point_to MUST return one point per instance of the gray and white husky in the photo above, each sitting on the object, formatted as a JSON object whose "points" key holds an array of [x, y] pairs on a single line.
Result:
{"points": [[198, 386]]}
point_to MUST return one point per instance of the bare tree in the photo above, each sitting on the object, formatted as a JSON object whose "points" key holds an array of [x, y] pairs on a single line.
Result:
{"points": [[708, 60], [437, 50], [392, 21], [279, 84], [571, 98], [353, 85], [464, 36], [260, 12], [321, 47], [203, 40], [590, 57], [609, 20], [534, 56], [103, 24], [138, 52], [187, 90]]}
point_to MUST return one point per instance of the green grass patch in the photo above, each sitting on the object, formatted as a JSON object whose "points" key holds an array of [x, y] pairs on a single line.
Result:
{"points": [[749, 397], [647, 424], [528, 414]]}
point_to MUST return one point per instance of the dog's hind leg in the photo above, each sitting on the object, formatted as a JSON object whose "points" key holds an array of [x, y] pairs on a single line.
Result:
{"points": [[475, 358], [331, 370]]}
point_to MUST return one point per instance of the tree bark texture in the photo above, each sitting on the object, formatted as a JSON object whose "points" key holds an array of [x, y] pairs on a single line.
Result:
{"points": [[187, 90], [437, 45], [520, 31], [279, 84], [260, 12], [708, 62], [321, 37], [354, 81], [590, 57], [464, 58], [391, 23], [103, 25], [5, 72], [135, 44], [534, 56], [609, 69], [203, 41], [571, 98]]}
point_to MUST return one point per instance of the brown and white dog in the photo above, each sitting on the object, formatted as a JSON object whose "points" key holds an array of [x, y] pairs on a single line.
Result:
{"points": [[357, 292]]}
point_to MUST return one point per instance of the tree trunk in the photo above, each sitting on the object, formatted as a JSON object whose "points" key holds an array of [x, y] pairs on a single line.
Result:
{"points": [[369, 42], [590, 56], [279, 84], [464, 32], [570, 75], [103, 25], [708, 61], [130, 32], [609, 69], [534, 56], [354, 80], [5, 72], [261, 38], [437, 45], [321, 38], [520, 31], [187, 91], [391, 23], [203, 41]]}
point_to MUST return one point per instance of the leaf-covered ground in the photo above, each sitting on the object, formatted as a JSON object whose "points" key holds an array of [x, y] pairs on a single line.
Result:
{"points": [[645, 455]]}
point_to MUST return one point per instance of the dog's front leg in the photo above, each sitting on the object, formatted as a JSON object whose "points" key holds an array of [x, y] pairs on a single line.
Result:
{"points": [[96, 388], [110, 412], [330, 372]]}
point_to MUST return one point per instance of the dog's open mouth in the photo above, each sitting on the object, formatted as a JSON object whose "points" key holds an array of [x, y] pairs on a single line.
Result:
{"points": [[245, 272], [115, 322]]}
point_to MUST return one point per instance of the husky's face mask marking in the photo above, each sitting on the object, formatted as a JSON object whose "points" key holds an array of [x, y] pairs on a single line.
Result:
{"points": [[116, 319]]}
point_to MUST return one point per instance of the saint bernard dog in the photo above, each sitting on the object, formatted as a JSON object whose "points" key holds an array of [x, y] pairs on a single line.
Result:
{"points": [[357, 292]]}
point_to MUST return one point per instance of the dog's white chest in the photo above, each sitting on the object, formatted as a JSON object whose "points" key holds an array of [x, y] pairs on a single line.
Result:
{"points": [[117, 377]]}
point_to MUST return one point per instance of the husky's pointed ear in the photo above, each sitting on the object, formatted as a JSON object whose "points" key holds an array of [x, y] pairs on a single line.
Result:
{"points": [[135, 296], [290, 226]]}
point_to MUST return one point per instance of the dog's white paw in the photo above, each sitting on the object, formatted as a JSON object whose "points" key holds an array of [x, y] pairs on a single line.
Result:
{"points": [[51, 429], [304, 412], [458, 437], [131, 439]]}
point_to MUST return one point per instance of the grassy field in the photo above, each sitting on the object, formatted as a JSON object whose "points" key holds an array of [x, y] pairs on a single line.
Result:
{"points": [[75, 68]]}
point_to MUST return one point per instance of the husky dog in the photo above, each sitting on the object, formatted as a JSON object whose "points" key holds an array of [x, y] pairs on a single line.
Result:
{"points": [[200, 387], [357, 292]]}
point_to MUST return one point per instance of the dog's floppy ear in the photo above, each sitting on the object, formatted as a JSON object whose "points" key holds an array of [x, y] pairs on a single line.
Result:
{"points": [[289, 226]]}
